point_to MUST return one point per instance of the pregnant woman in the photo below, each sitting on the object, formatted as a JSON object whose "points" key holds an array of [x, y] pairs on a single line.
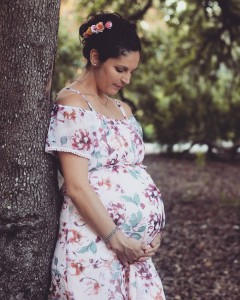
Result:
{"points": [[112, 214]]}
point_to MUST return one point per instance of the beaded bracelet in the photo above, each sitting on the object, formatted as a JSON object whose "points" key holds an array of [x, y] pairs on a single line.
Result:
{"points": [[108, 237]]}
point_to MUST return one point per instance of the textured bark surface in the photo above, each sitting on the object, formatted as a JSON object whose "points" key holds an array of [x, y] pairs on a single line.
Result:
{"points": [[29, 192]]}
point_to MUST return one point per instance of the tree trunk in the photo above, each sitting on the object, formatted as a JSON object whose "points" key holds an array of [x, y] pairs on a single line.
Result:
{"points": [[29, 191]]}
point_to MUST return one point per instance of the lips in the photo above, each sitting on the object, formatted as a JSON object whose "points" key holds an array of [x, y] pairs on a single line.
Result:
{"points": [[118, 86]]}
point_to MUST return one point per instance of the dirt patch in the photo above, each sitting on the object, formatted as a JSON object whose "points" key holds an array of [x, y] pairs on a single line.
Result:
{"points": [[200, 255]]}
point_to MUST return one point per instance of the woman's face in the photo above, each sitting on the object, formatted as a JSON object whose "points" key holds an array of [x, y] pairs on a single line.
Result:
{"points": [[115, 73]]}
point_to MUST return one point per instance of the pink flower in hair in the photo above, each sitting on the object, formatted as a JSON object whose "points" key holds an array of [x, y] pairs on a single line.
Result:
{"points": [[100, 27], [87, 33], [108, 25], [94, 29]]}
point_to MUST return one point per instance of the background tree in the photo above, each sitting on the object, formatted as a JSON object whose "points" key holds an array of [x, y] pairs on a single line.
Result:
{"points": [[197, 89], [186, 88], [28, 207], [68, 61]]}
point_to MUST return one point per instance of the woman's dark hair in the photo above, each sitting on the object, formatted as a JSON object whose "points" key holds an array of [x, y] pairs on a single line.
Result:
{"points": [[111, 43]]}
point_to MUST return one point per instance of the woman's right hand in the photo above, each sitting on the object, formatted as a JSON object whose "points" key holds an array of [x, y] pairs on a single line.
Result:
{"points": [[128, 250]]}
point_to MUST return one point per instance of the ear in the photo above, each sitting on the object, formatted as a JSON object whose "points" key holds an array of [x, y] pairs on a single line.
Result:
{"points": [[94, 57]]}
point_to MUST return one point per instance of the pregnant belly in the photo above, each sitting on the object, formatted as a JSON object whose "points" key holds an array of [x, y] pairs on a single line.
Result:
{"points": [[132, 200]]}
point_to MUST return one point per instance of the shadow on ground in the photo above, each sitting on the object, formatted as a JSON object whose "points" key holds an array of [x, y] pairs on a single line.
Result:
{"points": [[200, 255]]}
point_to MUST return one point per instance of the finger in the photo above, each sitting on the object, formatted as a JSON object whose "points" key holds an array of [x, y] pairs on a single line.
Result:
{"points": [[123, 261], [143, 258], [155, 247], [144, 246], [156, 241], [149, 253]]}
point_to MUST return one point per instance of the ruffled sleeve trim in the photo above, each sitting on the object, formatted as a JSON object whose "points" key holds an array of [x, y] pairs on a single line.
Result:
{"points": [[51, 150]]}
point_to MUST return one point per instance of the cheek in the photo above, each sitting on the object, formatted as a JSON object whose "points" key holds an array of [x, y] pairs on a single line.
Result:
{"points": [[105, 82], [111, 77], [107, 78]]}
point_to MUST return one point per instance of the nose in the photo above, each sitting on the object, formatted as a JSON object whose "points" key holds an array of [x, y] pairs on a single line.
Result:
{"points": [[126, 78]]}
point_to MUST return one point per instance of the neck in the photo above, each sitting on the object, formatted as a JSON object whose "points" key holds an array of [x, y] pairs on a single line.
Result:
{"points": [[87, 78], [89, 84]]}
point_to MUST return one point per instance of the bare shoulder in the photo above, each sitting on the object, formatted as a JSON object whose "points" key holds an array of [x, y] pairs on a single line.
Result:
{"points": [[70, 98], [126, 108]]}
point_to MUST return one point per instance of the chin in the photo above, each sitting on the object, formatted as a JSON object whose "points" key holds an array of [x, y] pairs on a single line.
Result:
{"points": [[112, 93]]}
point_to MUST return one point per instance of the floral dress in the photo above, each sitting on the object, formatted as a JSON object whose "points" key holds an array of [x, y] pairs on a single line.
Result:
{"points": [[83, 267]]}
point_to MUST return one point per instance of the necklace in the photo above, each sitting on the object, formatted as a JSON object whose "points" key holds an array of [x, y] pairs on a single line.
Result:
{"points": [[91, 93]]}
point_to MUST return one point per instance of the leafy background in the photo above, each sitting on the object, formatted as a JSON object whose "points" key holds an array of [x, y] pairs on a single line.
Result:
{"points": [[187, 86]]}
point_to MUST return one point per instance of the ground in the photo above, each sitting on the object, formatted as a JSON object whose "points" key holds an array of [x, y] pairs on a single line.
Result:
{"points": [[199, 258]]}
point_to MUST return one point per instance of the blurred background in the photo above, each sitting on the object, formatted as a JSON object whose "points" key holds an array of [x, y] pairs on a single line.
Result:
{"points": [[187, 87], [186, 94]]}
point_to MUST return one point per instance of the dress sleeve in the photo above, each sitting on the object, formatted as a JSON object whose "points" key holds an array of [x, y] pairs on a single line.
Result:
{"points": [[73, 130]]}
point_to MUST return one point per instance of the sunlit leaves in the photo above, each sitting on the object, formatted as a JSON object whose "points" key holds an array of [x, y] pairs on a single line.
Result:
{"points": [[187, 85]]}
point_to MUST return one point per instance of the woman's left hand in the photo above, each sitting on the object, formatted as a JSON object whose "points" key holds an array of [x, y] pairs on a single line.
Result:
{"points": [[153, 247]]}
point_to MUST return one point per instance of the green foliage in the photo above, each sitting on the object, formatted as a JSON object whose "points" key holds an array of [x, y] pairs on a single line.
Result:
{"points": [[187, 86], [69, 57], [198, 83], [67, 62]]}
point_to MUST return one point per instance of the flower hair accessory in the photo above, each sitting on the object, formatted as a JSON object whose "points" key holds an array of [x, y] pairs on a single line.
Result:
{"points": [[95, 29]]}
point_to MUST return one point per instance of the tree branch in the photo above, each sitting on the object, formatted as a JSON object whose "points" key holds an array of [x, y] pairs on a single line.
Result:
{"points": [[140, 13]]}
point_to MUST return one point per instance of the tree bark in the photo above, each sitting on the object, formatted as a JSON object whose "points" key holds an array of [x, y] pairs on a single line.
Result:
{"points": [[28, 186]]}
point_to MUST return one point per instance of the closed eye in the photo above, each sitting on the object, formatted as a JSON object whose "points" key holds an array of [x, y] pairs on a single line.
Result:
{"points": [[122, 69], [119, 70]]}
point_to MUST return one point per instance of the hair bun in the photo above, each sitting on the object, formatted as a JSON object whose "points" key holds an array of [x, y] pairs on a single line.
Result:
{"points": [[110, 34]]}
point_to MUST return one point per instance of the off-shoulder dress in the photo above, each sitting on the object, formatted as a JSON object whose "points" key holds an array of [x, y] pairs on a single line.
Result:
{"points": [[83, 267]]}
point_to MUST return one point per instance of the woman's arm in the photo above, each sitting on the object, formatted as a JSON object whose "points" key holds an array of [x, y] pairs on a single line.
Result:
{"points": [[75, 172]]}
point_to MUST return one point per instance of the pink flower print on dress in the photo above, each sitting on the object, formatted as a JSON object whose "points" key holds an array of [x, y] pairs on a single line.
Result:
{"points": [[70, 116], [106, 182], [81, 140], [93, 287], [74, 236], [152, 193], [78, 268]]}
